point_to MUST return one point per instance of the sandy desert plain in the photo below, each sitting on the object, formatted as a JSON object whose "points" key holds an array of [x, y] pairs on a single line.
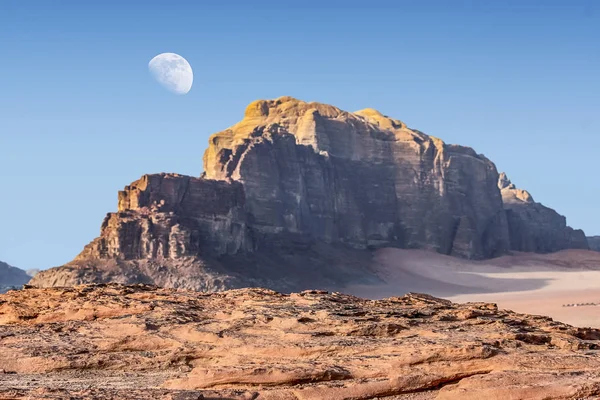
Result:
{"points": [[553, 284]]}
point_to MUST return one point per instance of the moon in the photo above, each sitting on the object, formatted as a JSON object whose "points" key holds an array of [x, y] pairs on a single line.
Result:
{"points": [[173, 72]]}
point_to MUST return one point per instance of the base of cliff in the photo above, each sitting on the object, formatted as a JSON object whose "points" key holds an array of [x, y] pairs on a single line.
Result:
{"points": [[368, 273], [330, 267]]}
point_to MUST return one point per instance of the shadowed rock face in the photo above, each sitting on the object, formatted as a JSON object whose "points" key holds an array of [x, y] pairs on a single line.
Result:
{"points": [[361, 179], [140, 342], [11, 277], [594, 242], [170, 216], [534, 227], [292, 196]]}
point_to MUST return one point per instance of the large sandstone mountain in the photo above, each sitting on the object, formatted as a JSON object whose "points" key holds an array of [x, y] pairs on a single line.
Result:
{"points": [[296, 195], [11, 277]]}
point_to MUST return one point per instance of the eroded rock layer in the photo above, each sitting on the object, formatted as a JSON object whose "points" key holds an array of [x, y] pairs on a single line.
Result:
{"points": [[294, 192], [140, 342]]}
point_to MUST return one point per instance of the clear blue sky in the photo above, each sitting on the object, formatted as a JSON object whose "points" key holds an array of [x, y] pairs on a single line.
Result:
{"points": [[80, 116]]}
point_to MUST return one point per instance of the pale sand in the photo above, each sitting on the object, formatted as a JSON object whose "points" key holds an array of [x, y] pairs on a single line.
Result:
{"points": [[548, 302], [526, 283]]}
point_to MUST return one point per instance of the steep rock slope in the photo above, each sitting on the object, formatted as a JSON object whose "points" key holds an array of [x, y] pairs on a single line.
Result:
{"points": [[115, 342], [11, 277], [290, 197], [534, 227]]}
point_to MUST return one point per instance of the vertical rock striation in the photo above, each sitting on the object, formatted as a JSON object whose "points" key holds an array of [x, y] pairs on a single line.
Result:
{"points": [[170, 216], [362, 179]]}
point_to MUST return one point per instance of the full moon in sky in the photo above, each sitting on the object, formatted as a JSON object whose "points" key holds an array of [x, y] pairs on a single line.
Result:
{"points": [[173, 72]]}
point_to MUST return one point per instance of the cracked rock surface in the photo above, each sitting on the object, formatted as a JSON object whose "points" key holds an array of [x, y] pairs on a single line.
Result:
{"points": [[142, 342]]}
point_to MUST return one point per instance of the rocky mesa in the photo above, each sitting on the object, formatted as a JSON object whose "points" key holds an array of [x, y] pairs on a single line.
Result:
{"points": [[140, 342], [297, 194]]}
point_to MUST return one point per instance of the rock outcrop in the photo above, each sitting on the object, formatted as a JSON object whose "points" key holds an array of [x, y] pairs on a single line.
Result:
{"points": [[140, 342], [11, 277], [594, 242], [291, 197], [534, 227]]}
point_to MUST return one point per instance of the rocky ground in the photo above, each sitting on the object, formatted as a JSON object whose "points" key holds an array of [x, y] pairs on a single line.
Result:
{"points": [[141, 342]]}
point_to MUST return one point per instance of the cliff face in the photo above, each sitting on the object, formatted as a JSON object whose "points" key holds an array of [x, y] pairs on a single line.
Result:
{"points": [[292, 196], [11, 277], [534, 227], [362, 179], [594, 242], [169, 216]]}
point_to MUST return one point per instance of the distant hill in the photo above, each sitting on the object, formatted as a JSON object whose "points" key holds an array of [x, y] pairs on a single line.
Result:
{"points": [[594, 242], [11, 277]]}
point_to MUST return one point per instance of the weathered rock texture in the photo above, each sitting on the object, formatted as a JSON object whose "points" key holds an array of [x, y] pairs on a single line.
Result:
{"points": [[292, 196], [139, 342], [11, 277], [594, 242], [314, 171], [534, 227]]}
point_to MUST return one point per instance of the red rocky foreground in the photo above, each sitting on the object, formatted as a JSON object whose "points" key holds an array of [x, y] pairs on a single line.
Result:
{"points": [[141, 342]]}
